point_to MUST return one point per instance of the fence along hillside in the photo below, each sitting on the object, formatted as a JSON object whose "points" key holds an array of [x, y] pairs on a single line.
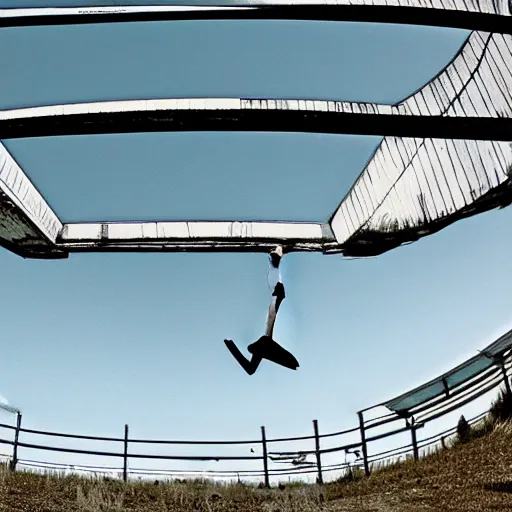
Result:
{"points": [[406, 414]]}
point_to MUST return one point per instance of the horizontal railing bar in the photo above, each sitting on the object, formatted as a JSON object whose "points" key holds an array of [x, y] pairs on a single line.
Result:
{"points": [[81, 467], [60, 434], [466, 393], [183, 457], [68, 465], [132, 455], [204, 473], [287, 439], [472, 383], [324, 450], [389, 416], [339, 448], [118, 439], [65, 450], [340, 433], [459, 405], [162, 441], [386, 434]]}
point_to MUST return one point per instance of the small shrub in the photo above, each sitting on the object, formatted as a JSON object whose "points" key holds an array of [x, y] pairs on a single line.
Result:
{"points": [[463, 430], [483, 427], [351, 475], [501, 408]]}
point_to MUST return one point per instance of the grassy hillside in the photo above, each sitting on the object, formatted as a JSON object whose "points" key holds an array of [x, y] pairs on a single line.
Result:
{"points": [[473, 476]]}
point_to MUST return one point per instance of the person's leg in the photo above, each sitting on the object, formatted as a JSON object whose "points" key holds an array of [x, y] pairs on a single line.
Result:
{"points": [[249, 366], [266, 347], [278, 296]]}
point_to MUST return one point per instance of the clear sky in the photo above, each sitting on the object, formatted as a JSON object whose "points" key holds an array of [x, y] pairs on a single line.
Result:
{"points": [[97, 341]]}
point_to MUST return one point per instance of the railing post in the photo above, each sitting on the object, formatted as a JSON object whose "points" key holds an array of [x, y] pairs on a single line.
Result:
{"points": [[414, 440], [14, 460], [363, 443], [125, 458], [505, 377], [265, 456], [317, 453]]}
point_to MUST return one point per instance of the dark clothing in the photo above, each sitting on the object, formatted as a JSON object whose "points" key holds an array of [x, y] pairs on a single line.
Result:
{"points": [[266, 347]]}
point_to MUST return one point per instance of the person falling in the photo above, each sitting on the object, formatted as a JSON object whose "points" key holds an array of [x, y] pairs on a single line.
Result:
{"points": [[266, 347]]}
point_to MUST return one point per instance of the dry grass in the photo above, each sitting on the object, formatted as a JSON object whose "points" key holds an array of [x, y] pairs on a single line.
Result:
{"points": [[474, 476], [27, 492]]}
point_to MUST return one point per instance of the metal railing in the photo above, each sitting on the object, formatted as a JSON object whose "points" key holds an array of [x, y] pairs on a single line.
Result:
{"points": [[412, 423]]}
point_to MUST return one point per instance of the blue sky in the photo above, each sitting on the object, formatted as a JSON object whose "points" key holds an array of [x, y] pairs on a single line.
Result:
{"points": [[97, 341]]}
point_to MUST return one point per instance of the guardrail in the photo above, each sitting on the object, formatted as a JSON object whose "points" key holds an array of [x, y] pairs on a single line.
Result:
{"points": [[436, 408]]}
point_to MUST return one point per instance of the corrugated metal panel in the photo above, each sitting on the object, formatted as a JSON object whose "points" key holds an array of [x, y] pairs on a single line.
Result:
{"points": [[16, 185], [442, 176], [459, 375]]}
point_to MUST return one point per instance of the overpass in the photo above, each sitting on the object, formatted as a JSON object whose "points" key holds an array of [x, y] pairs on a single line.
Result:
{"points": [[446, 155], [412, 187], [484, 15]]}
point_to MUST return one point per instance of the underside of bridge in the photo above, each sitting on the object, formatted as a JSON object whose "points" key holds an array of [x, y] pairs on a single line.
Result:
{"points": [[485, 15], [446, 154]]}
